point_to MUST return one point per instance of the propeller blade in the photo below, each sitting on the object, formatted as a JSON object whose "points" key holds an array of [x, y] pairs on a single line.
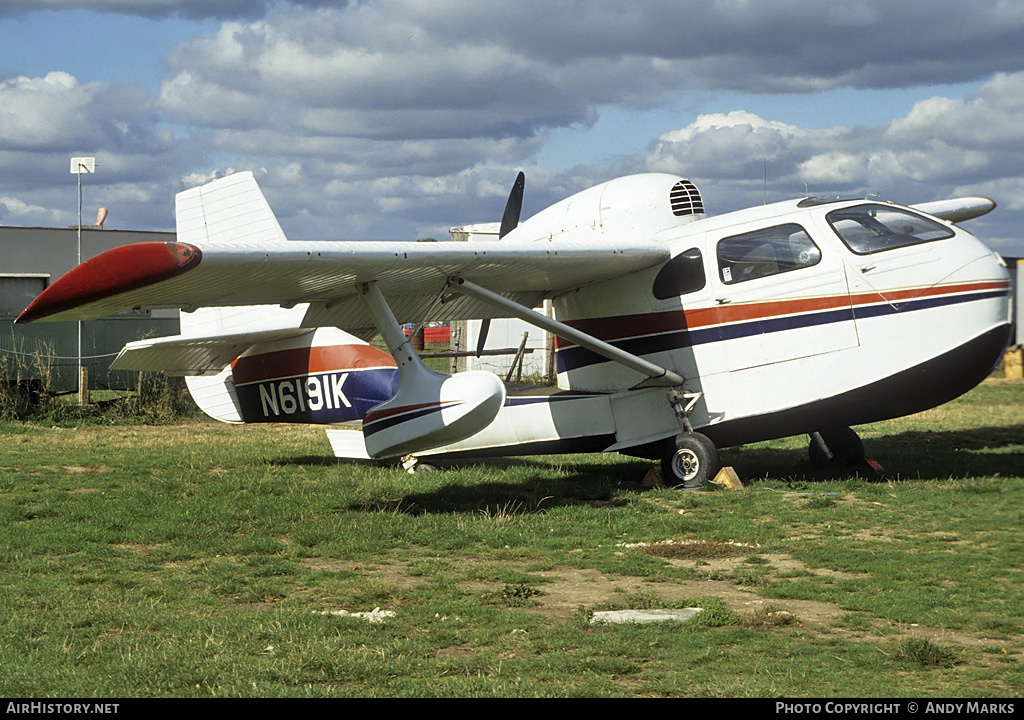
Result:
{"points": [[513, 207], [509, 221], [485, 326]]}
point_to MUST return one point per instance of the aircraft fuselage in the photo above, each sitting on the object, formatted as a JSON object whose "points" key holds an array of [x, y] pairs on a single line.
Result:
{"points": [[802, 314]]}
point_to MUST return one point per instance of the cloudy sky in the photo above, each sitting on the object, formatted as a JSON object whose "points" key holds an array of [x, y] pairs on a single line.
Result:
{"points": [[395, 119]]}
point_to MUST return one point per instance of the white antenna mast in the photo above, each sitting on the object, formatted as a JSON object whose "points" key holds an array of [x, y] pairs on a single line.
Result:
{"points": [[80, 166], [766, 181]]}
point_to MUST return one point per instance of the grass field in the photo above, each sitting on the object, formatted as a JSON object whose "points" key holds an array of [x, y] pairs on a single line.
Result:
{"points": [[208, 560]]}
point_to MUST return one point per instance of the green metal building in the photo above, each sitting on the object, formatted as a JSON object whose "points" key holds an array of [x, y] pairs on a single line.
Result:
{"points": [[30, 259]]}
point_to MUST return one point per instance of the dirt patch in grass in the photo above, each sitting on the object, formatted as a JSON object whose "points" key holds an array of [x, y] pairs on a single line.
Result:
{"points": [[458, 652], [256, 606], [327, 565], [567, 591], [394, 573], [874, 535], [781, 565], [564, 592]]}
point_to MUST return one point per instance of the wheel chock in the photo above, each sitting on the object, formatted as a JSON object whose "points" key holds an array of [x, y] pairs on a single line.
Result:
{"points": [[728, 478], [653, 478], [869, 467]]}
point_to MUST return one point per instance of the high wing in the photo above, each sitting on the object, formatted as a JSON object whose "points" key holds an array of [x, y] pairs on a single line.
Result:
{"points": [[231, 251]]}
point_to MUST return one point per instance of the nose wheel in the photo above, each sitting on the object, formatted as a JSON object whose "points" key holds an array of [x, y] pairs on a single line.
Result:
{"points": [[689, 460]]}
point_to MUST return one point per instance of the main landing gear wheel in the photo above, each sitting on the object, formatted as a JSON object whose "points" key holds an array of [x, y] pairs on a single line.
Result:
{"points": [[689, 461], [842, 443]]}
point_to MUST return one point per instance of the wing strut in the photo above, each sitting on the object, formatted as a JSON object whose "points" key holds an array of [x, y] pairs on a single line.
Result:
{"points": [[429, 409], [657, 375]]}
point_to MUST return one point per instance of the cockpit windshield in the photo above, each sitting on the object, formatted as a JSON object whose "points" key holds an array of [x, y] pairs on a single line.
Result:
{"points": [[874, 228]]}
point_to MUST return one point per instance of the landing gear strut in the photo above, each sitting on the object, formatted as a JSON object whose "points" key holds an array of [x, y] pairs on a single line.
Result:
{"points": [[689, 460]]}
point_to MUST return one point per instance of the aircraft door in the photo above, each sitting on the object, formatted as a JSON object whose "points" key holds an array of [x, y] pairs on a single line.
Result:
{"points": [[780, 294]]}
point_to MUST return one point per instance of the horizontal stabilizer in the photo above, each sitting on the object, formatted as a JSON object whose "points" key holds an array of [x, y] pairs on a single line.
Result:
{"points": [[186, 356]]}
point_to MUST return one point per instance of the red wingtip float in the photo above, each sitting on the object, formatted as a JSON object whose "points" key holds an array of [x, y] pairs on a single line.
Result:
{"points": [[112, 273]]}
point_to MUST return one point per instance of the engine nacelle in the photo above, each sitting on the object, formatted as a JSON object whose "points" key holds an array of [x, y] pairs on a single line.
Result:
{"points": [[634, 206]]}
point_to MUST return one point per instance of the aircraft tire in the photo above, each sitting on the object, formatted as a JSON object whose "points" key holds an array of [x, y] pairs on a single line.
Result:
{"points": [[845, 445], [689, 461]]}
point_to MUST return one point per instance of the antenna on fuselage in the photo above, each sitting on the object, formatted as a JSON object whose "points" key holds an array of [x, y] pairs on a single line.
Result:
{"points": [[766, 181]]}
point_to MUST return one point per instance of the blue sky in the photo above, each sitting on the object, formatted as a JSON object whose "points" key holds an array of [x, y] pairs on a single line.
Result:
{"points": [[94, 46], [399, 118]]}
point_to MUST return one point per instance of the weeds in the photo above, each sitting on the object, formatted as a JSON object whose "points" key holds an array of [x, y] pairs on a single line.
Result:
{"points": [[519, 595], [156, 399], [642, 600], [818, 503], [925, 653], [714, 613], [768, 617], [26, 383]]}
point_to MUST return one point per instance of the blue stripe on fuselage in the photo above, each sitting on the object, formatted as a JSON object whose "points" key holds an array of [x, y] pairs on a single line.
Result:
{"points": [[573, 358]]}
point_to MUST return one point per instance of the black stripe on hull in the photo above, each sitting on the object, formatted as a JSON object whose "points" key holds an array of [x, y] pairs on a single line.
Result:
{"points": [[924, 386]]}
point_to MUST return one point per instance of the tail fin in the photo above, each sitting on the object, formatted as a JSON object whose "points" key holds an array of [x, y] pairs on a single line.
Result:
{"points": [[232, 209]]}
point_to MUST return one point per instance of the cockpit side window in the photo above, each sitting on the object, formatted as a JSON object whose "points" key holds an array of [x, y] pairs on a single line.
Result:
{"points": [[874, 228], [765, 252], [681, 275]]}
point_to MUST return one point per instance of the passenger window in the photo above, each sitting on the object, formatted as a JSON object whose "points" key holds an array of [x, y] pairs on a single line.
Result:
{"points": [[682, 274], [765, 252], [869, 229]]}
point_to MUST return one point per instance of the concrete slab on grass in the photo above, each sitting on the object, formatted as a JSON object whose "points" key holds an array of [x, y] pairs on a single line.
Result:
{"points": [[643, 616]]}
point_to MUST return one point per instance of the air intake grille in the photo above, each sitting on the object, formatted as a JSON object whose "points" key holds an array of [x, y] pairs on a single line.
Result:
{"points": [[685, 199]]}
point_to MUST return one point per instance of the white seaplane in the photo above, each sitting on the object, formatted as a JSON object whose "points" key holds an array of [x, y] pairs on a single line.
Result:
{"points": [[676, 333]]}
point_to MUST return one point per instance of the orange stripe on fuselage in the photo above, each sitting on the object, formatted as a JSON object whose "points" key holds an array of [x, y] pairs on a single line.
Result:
{"points": [[619, 327], [307, 361]]}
